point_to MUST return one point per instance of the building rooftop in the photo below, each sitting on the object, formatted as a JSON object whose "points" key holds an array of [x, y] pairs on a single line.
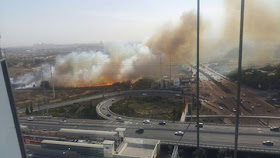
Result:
{"points": [[65, 143], [79, 132], [137, 147]]}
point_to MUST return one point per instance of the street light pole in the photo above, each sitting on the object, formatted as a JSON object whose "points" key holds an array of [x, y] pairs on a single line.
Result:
{"points": [[197, 75], [52, 81], [239, 77]]}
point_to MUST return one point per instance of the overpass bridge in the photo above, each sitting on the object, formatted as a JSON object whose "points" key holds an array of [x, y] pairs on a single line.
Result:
{"points": [[267, 119], [210, 146]]}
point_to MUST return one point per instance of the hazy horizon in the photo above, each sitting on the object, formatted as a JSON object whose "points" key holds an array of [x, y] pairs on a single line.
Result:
{"points": [[66, 22]]}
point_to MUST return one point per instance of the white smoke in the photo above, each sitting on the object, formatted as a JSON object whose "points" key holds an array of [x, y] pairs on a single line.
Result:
{"points": [[120, 62]]}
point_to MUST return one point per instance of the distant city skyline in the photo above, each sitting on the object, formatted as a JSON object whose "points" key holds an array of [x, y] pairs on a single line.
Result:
{"points": [[24, 23]]}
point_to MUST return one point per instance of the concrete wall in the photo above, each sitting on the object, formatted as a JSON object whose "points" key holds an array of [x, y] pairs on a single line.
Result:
{"points": [[141, 141]]}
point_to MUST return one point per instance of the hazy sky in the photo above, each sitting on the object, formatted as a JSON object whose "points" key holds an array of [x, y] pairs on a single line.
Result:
{"points": [[25, 22]]}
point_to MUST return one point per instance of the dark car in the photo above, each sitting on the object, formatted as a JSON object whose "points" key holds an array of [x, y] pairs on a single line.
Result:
{"points": [[140, 131], [108, 115], [162, 123], [275, 129], [268, 143], [200, 125]]}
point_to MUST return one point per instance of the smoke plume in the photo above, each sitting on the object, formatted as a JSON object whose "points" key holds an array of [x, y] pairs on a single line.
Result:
{"points": [[120, 62], [261, 30]]}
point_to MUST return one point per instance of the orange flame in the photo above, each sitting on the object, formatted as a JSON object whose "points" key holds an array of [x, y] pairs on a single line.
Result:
{"points": [[95, 85]]}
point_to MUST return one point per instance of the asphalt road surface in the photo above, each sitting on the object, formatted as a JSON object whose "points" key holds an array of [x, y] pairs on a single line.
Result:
{"points": [[250, 137]]}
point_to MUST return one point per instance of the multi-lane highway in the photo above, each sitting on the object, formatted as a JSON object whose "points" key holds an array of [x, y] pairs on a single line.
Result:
{"points": [[249, 137]]}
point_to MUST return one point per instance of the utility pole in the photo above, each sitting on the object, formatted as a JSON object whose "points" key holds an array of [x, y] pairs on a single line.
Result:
{"points": [[42, 75], [52, 82], [160, 68], [44, 89], [192, 106], [197, 75], [239, 77], [170, 68]]}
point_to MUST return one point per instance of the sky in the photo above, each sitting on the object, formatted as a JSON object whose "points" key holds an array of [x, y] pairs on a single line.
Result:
{"points": [[26, 22]]}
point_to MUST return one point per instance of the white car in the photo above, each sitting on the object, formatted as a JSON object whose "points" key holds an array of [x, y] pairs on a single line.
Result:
{"points": [[30, 118], [177, 95], [146, 121], [221, 108], [62, 121], [144, 94], [179, 133]]}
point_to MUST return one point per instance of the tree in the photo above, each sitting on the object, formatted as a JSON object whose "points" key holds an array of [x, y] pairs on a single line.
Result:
{"points": [[199, 153], [46, 84], [31, 108], [27, 111], [224, 153], [174, 114], [144, 83]]}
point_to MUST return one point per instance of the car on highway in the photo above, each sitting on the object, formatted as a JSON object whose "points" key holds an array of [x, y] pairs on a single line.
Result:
{"points": [[275, 129], [268, 143], [144, 94], [146, 121], [119, 118], [108, 115], [113, 99], [179, 133], [30, 119], [162, 123], [178, 96], [62, 121], [139, 131], [200, 125]]}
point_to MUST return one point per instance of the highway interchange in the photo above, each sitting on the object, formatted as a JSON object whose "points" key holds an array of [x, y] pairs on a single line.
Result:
{"points": [[217, 135]]}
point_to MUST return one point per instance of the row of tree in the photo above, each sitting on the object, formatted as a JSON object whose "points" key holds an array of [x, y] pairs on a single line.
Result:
{"points": [[222, 153], [29, 110], [264, 78]]}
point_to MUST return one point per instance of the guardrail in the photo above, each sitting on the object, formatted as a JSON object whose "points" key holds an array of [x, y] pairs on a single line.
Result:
{"points": [[240, 148]]}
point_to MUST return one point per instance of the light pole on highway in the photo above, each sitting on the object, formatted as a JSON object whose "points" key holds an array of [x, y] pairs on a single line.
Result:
{"points": [[239, 77], [197, 75]]}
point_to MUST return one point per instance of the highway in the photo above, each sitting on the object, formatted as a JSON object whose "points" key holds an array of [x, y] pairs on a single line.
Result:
{"points": [[97, 96], [103, 109], [250, 137], [218, 135]]}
